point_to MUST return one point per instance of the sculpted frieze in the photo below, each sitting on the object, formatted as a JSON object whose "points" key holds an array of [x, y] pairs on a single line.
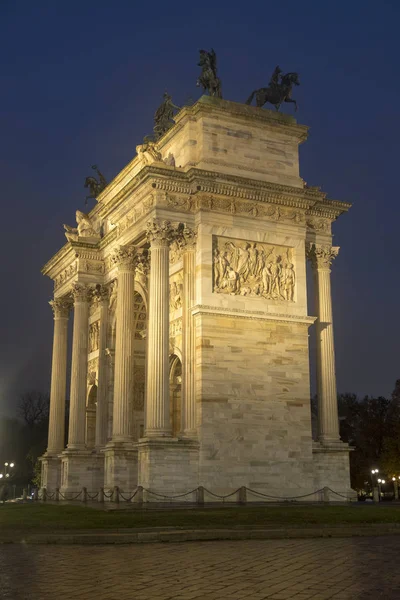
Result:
{"points": [[270, 212], [253, 269], [65, 275]]}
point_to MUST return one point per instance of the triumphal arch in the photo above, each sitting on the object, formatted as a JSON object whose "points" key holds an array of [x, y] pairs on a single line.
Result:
{"points": [[188, 289]]}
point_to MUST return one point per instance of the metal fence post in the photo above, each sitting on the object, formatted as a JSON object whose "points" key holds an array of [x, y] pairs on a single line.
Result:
{"points": [[326, 494], [44, 495], [57, 495], [101, 495], [84, 495], [115, 497]]}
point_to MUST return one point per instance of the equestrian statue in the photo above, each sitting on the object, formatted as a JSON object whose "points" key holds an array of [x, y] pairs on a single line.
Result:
{"points": [[279, 90], [208, 79], [95, 187]]}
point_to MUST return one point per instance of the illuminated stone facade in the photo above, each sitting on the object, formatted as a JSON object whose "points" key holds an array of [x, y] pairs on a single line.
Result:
{"points": [[190, 359]]}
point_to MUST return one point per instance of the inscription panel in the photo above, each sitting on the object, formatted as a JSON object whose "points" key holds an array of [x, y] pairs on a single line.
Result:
{"points": [[253, 269]]}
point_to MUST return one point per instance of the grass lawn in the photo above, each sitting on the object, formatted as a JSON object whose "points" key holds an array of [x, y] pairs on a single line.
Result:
{"points": [[45, 518]]}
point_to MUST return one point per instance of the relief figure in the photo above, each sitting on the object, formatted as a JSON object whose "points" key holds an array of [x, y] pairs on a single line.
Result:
{"points": [[253, 269]]}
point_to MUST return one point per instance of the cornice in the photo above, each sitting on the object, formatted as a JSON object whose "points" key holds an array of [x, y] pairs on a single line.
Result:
{"points": [[218, 311]]}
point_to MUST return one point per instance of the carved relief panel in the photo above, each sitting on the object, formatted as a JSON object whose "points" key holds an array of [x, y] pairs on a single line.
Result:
{"points": [[253, 269], [176, 291]]}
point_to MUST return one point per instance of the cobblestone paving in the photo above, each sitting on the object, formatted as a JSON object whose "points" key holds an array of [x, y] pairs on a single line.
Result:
{"points": [[321, 569]]}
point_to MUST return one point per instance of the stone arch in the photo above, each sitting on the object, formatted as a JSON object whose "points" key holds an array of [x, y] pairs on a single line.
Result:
{"points": [[175, 393]]}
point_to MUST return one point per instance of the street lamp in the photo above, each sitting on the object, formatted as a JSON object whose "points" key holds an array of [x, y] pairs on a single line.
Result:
{"points": [[5, 473]]}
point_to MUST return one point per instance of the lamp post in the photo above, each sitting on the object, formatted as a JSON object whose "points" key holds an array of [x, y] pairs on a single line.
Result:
{"points": [[7, 466], [396, 488], [375, 487]]}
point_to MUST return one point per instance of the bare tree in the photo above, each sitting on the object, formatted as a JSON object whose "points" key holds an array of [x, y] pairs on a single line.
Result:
{"points": [[33, 407]]}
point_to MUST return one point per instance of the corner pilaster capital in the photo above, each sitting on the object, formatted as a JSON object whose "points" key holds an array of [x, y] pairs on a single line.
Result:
{"points": [[159, 233], [61, 307], [101, 293], [125, 258], [321, 256], [80, 292], [188, 239]]}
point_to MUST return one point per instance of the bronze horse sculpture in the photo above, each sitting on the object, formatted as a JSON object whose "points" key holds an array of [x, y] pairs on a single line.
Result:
{"points": [[208, 79], [95, 187], [277, 92]]}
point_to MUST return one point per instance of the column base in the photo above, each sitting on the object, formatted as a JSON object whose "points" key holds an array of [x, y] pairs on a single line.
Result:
{"points": [[332, 469], [50, 477], [81, 468], [168, 466], [121, 466]]}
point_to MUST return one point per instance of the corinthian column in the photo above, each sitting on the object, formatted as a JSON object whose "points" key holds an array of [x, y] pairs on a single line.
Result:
{"points": [[61, 308], [159, 234], [188, 334], [77, 409], [125, 258], [321, 257], [101, 410]]}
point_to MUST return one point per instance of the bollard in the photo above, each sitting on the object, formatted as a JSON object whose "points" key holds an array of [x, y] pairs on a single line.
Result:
{"points": [[44, 494], [200, 495], [84, 495], [326, 494], [24, 494], [243, 495], [101, 495], [375, 494], [139, 495], [115, 496], [57, 495], [36, 495]]}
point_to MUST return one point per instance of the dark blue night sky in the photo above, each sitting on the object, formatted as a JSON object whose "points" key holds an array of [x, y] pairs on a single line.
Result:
{"points": [[80, 82]]}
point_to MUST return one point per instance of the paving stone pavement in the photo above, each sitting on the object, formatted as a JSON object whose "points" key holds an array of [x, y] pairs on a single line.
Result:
{"points": [[341, 569]]}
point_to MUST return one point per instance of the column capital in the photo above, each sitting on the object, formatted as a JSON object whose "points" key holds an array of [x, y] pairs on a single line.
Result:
{"points": [[321, 256], [61, 307], [80, 292], [125, 258], [159, 233]]}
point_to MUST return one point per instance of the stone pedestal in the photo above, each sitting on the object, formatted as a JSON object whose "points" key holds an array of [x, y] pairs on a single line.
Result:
{"points": [[168, 466], [50, 472], [121, 466], [332, 469], [81, 468]]}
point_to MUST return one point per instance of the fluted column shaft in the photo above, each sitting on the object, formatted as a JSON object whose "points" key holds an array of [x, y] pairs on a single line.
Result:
{"points": [[77, 408], [102, 407], [157, 406], [124, 346], [328, 421], [61, 308], [188, 336]]}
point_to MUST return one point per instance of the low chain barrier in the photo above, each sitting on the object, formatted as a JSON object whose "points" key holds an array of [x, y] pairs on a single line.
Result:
{"points": [[116, 495]]}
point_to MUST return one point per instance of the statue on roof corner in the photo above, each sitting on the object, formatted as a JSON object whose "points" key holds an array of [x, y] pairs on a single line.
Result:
{"points": [[163, 116], [208, 79], [279, 90], [84, 228], [95, 187]]}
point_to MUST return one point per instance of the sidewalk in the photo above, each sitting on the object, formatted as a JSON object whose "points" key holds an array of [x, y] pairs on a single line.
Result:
{"points": [[174, 534]]}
